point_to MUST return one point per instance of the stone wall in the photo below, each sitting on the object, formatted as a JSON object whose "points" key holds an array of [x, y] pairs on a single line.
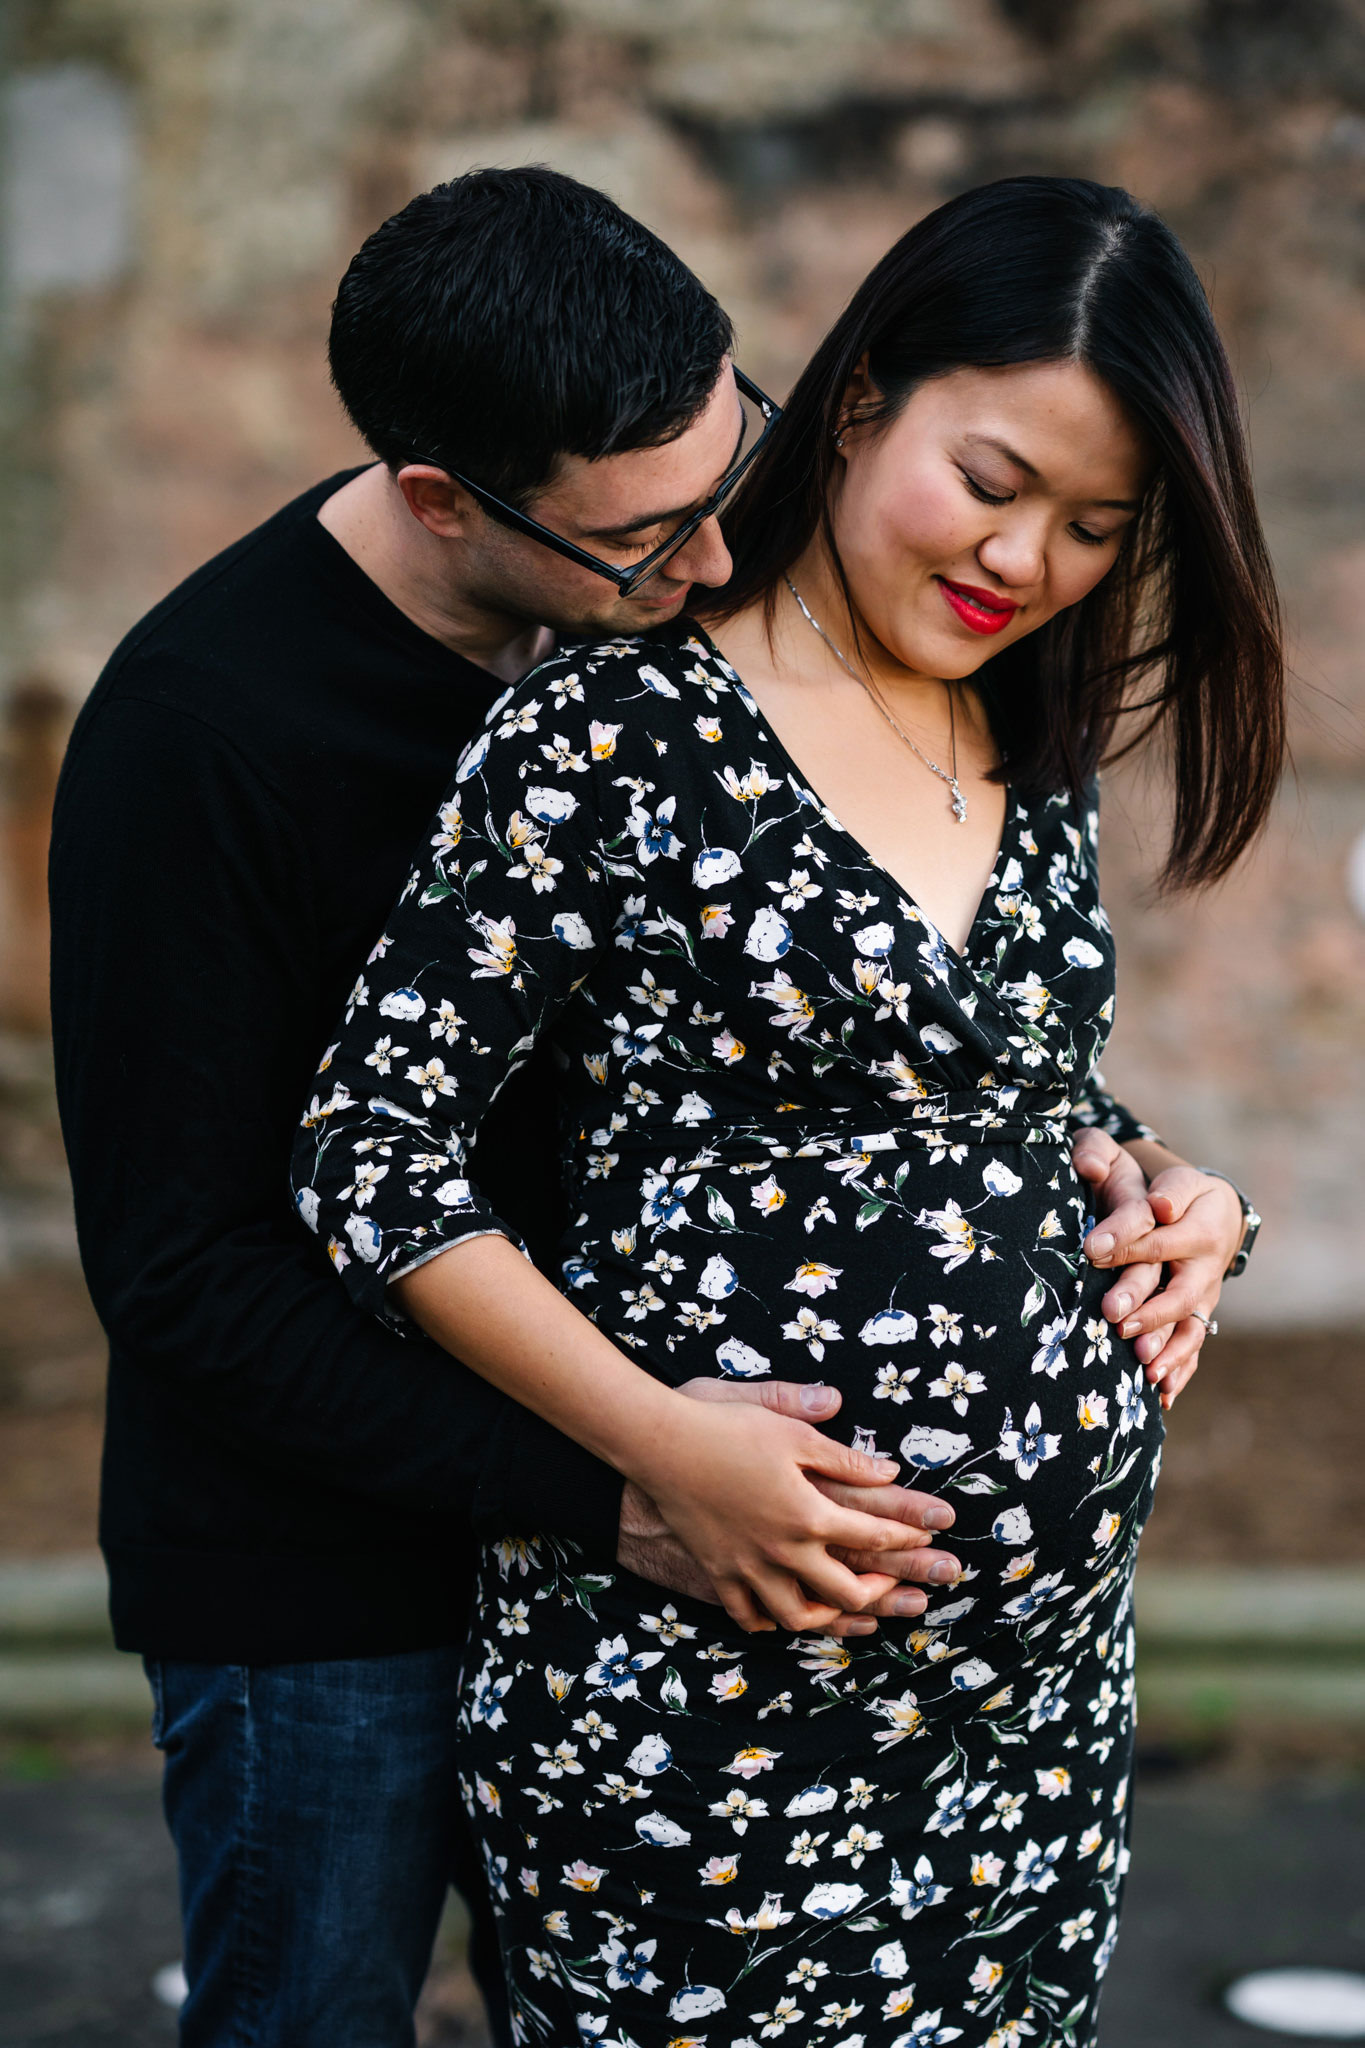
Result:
{"points": [[186, 179]]}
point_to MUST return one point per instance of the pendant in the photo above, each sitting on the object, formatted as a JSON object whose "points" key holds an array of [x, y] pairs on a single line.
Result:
{"points": [[959, 802]]}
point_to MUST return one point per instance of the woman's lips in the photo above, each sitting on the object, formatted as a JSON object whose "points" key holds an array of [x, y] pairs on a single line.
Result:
{"points": [[982, 610]]}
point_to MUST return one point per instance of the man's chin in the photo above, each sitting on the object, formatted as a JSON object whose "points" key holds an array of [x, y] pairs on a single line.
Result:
{"points": [[640, 614]]}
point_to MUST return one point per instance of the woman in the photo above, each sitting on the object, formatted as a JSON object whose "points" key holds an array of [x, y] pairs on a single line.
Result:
{"points": [[807, 904]]}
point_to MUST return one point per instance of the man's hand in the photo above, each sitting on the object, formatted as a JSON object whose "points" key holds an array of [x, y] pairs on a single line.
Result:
{"points": [[1187, 1221], [648, 1547]]}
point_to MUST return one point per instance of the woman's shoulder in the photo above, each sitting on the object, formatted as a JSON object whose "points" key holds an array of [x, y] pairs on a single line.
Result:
{"points": [[590, 701], [672, 663]]}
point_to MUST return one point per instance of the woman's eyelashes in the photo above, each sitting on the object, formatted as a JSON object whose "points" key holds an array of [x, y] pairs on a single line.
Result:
{"points": [[989, 497], [979, 490]]}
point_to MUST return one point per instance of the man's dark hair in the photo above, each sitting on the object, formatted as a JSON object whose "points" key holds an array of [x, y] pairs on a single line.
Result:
{"points": [[513, 316]]}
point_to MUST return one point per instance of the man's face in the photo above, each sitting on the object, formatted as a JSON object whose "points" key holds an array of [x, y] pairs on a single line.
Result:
{"points": [[619, 507]]}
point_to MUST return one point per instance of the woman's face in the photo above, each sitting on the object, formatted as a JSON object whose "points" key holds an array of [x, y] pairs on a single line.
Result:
{"points": [[995, 499]]}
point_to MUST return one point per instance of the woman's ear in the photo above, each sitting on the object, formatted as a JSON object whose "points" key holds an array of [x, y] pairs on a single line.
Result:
{"points": [[859, 396]]}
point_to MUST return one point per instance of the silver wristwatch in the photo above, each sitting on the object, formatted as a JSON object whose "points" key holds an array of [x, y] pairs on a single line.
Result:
{"points": [[1250, 1218]]}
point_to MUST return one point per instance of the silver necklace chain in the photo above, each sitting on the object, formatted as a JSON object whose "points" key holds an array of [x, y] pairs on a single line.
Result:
{"points": [[943, 774]]}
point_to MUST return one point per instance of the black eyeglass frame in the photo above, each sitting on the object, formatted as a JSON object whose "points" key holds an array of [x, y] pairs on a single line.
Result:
{"points": [[626, 580]]}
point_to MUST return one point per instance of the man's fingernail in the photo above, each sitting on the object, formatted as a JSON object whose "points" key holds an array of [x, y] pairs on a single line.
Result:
{"points": [[940, 1516], [1130, 1328], [909, 1603], [1122, 1304], [1101, 1244], [946, 1569], [815, 1398]]}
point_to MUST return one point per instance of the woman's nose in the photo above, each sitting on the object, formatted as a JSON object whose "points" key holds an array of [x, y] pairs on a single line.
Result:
{"points": [[1016, 554]]}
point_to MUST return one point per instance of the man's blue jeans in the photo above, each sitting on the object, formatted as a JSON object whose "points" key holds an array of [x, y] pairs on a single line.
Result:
{"points": [[317, 1820]]}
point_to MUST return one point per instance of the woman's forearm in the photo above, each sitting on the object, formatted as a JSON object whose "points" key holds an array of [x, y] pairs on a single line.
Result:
{"points": [[732, 1482], [490, 1307]]}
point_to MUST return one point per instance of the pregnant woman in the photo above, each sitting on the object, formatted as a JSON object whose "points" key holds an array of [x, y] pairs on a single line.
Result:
{"points": [[806, 901]]}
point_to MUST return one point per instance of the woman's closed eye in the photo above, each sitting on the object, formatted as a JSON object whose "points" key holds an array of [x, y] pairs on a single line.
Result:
{"points": [[988, 497], [983, 492]]}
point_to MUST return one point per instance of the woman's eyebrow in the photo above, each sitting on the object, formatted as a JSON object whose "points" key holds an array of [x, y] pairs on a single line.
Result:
{"points": [[1021, 462]]}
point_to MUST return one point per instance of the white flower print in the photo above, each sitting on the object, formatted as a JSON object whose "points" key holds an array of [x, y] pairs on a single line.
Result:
{"points": [[1030, 1446], [953, 1804], [1034, 1867], [912, 1894], [384, 1054], [956, 1384], [813, 1330], [813, 1277], [797, 890], [890, 1326], [894, 1382], [1050, 1356], [1092, 1411], [769, 936], [955, 1230], [947, 1325], [1132, 1411]]}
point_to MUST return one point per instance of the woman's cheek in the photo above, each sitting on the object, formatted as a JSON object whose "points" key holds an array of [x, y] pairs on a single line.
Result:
{"points": [[925, 522]]}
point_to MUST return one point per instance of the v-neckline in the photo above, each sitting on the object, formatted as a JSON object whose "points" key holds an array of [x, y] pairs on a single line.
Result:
{"points": [[961, 959]]}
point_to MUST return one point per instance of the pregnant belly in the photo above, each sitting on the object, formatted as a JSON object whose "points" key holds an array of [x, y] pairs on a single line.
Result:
{"points": [[945, 1294]]}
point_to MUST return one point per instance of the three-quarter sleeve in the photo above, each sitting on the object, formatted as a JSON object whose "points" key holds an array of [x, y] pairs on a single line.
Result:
{"points": [[500, 922]]}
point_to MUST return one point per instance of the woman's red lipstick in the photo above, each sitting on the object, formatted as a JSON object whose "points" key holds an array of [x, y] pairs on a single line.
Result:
{"points": [[982, 610]]}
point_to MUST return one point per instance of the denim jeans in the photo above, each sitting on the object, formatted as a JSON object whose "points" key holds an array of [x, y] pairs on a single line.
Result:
{"points": [[317, 1821]]}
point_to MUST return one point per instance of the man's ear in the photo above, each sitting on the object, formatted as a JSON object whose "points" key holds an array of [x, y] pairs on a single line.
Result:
{"points": [[444, 507]]}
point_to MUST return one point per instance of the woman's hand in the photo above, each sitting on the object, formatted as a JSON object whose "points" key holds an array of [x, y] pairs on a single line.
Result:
{"points": [[740, 1489], [734, 1482], [648, 1547], [1187, 1221]]}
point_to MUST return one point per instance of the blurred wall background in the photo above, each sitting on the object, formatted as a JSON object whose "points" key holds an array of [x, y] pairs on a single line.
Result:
{"points": [[184, 181]]}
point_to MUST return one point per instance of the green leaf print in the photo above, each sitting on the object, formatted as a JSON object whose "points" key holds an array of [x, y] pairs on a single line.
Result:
{"points": [[719, 1210]]}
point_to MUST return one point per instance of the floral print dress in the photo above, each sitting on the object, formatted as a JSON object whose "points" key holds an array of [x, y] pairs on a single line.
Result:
{"points": [[802, 1137]]}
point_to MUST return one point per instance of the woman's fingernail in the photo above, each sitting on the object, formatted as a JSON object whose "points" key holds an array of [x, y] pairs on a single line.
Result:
{"points": [[1101, 1245], [887, 1468], [946, 1569], [940, 1516], [909, 1603], [1122, 1305], [863, 1626], [1130, 1328], [815, 1397]]}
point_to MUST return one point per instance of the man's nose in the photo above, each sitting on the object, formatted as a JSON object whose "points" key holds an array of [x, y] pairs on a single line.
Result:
{"points": [[703, 557]]}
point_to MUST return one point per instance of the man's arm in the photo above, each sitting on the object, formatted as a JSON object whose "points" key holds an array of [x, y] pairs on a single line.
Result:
{"points": [[183, 949]]}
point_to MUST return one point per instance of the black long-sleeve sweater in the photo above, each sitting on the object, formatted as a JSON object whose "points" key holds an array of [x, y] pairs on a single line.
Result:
{"points": [[284, 1480]]}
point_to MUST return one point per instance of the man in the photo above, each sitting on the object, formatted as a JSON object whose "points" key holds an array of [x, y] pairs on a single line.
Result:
{"points": [[291, 1493]]}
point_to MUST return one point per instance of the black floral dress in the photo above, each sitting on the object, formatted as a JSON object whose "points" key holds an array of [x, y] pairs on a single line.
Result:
{"points": [[803, 1137]]}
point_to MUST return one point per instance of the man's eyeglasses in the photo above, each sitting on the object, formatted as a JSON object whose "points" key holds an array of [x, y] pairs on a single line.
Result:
{"points": [[761, 415]]}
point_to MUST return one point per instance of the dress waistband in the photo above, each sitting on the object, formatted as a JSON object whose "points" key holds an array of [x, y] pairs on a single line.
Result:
{"points": [[965, 1116]]}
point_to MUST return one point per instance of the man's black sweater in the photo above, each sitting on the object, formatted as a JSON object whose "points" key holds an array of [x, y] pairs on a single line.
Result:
{"points": [[284, 1479]]}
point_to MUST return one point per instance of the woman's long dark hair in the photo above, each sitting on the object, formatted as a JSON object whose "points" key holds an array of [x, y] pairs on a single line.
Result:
{"points": [[1185, 628]]}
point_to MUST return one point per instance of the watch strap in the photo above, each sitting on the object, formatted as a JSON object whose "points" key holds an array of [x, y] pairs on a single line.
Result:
{"points": [[1250, 1217]]}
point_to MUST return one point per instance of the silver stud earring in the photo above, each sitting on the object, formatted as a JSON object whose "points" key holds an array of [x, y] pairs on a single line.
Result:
{"points": [[839, 438]]}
